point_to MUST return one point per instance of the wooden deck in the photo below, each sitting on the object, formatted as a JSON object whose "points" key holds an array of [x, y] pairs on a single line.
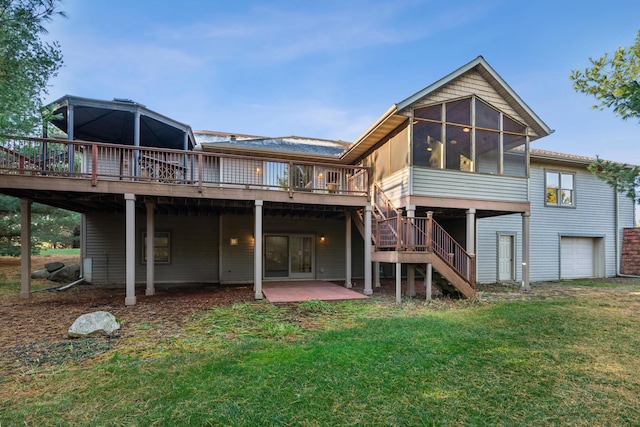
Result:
{"points": [[282, 292]]}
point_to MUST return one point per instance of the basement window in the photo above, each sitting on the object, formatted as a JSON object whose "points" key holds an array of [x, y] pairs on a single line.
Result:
{"points": [[161, 247]]}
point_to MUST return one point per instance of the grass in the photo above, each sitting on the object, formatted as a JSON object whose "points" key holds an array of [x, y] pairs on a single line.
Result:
{"points": [[64, 252], [565, 361]]}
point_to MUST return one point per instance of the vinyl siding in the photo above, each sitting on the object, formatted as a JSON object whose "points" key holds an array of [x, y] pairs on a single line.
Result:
{"points": [[193, 242], [396, 186], [471, 83], [444, 183], [593, 216], [236, 262]]}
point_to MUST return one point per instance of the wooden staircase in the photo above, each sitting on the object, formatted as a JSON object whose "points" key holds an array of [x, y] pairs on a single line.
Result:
{"points": [[419, 241]]}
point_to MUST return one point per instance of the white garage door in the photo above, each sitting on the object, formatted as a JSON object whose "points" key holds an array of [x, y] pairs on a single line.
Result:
{"points": [[576, 257]]}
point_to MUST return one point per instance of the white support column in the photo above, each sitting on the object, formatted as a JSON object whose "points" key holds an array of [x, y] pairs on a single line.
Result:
{"points": [[151, 262], [136, 143], [411, 213], [257, 251], [471, 231], [25, 248], [347, 251], [428, 280], [367, 251], [525, 251], [398, 282], [130, 250], [376, 274], [70, 136], [411, 280]]}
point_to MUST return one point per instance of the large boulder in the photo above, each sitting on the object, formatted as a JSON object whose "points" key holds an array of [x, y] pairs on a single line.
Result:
{"points": [[96, 323], [53, 266], [40, 274], [67, 274]]}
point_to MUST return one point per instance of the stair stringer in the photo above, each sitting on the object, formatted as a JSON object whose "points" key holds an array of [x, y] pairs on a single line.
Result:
{"points": [[446, 271]]}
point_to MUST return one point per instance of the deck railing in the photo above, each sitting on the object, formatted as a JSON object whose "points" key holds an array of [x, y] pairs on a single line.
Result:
{"points": [[392, 231], [101, 161]]}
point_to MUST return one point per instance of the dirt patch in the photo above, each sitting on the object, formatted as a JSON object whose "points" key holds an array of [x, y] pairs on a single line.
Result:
{"points": [[34, 333]]}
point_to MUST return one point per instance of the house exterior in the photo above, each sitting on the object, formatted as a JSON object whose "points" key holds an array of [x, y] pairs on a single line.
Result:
{"points": [[443, 186]]}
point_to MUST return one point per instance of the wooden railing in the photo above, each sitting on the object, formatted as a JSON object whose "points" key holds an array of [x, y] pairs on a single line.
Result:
{"points": [[101, 161], [392, 231]]}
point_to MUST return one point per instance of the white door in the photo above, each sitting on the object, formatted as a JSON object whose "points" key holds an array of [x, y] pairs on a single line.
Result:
{"points": [[505, 258], [576, 257]]}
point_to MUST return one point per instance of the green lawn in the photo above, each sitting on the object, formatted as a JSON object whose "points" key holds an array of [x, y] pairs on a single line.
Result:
{"points": [[563, 361]]}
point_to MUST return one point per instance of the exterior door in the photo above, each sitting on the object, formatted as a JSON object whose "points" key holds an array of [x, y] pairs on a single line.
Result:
{"points": [[290, 256], [505, 258], [301, 256]]}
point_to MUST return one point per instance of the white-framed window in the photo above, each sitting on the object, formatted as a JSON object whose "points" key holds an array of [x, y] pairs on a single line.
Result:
{"points": [[161, 247], [560, 189]]}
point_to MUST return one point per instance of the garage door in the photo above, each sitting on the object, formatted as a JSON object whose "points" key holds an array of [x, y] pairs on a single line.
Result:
{"points": [[576, 257]]}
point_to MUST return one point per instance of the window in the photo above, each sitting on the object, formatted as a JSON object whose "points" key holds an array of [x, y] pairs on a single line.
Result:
{"points": [[560, 189], [161, 247], [469, 135]]}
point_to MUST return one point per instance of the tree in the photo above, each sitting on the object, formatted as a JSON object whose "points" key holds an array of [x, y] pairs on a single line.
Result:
{"points": [[52, 227], [614, 80], [26, 63]]}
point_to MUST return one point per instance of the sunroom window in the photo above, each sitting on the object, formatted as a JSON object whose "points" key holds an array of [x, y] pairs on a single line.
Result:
{"points": [[469, 135]]}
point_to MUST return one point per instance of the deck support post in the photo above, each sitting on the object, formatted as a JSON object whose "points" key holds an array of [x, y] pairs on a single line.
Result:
{"points": [[471, 231], [428, 280], [410, 233], [525, 251], [398, 282], [411, 280], [367, 250], [347, 251], [257, 251], [130, 248], [376, 274], [70, 137], [151, 262], [25, 248]]}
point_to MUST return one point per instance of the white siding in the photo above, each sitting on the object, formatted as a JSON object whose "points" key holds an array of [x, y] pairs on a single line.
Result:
{"points": [[445, 183], [593, 216], [396, 186]]}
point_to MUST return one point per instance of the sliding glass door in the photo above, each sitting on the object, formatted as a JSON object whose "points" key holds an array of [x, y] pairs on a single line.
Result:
{"points": [[288, 256]]}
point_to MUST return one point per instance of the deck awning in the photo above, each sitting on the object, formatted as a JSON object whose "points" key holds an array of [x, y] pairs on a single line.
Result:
{"points": [[114, 122]]}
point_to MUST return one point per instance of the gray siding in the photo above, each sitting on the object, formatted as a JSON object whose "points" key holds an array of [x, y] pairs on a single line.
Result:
{"points": [[236, 262], [445, 183], [593, 216], [194, 248]]}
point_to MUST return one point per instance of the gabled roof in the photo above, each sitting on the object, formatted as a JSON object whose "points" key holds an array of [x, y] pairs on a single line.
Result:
{"points": [[393, 117]]}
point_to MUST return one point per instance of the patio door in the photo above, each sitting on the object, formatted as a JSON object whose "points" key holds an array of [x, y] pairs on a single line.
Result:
{"points": [[289, 256]]}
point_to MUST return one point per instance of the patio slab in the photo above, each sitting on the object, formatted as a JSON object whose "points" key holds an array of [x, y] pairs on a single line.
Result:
{"points": [[307, 290]]}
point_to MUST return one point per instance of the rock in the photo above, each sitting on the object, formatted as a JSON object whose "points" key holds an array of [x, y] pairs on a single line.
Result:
{"points": [[40, 274], [96, 323], [67, 274], [53, 266]]}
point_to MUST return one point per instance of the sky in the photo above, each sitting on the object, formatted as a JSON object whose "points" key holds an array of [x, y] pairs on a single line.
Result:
{"points": [[329, 69]]}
